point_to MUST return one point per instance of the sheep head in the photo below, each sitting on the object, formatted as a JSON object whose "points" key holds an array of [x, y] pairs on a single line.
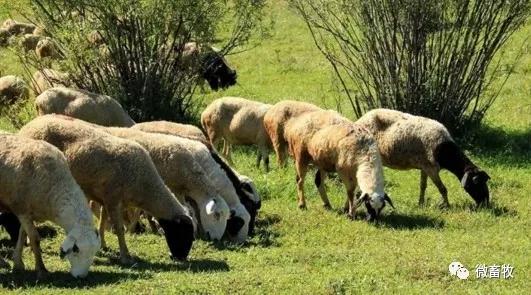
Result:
{"points": [[475, 184], [80, 247], [374, 203], [179, 234]]}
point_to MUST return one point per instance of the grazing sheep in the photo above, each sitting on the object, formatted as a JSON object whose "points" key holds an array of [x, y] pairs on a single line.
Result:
{"points": [[412, 142], [29, 42], [213, 66], [12, 89], [116, 173], [33, 173], [46, 47], [91, 107], [243, 185], [237, 121], [170, 128], [276, 118], [189, 170], [334, 144], [47, 78], [18, 28]]}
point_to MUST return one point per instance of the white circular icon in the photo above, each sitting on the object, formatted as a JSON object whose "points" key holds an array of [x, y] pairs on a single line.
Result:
{"points": [[462, 273], [454, 266]]}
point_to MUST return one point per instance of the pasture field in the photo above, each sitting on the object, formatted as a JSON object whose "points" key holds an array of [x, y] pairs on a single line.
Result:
{"points": [[323, 252]]}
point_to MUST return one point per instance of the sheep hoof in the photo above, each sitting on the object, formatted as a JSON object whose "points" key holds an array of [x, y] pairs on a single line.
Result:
{"points": [[18, 267], [327, 207], [422, 203], [127, 260], [302, 206], [41, 274], [444, 205], [351, 216]]}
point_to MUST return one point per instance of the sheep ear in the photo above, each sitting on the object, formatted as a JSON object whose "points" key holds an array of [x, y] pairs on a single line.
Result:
{"points": [[67, 247], [464, 179], [360, 200], [388, 200]]}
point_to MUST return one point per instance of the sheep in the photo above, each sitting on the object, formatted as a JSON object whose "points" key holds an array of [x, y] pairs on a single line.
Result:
{"points": [[33, 173], [237, 121], [276, 118], [12, 89], [189, 170], [170, 128], [116, 173], [333, 143], [18, 28], [243, 185], [91, 107], [48, 78], [412, 142], [46, 47], [212, 65], [29, 41]]}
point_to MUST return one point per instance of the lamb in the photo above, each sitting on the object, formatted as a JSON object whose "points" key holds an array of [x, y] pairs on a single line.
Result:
{"points": [[91, 107], [333, 143], [170, 128], [242, 184], [412, 142], [46, 47], [237, 121], [33, 173], [48, 78], [116, 173], [276, 118], [188, 169], [12, 89]]}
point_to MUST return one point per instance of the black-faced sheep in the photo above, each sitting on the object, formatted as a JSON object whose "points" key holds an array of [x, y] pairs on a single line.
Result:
{"points": [[91, 107], [47, 78], [276, 118], [412, 142], [334, 144], [212, 65], [189, 170], [12, 89], [237, 121], [116, 173], [243, 185], [33, 173]]}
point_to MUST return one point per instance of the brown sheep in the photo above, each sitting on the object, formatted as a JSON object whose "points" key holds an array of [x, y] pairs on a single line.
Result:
{"points": [[276, 118]]}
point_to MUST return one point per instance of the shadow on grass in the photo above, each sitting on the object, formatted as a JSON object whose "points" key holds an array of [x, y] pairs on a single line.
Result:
{"points": [[264, 235], [493, 209], [509, 147], [28, 279], [408, 222], [192, 265]]}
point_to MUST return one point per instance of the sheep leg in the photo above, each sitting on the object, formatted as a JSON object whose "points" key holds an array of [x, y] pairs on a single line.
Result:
{"points": [[435, 178], [320, 178], [35, 245], [228, 153], [301, 173], [350, 186], [103, 222], [18, 264], [115, 212], [258, 159], [423, 185]]}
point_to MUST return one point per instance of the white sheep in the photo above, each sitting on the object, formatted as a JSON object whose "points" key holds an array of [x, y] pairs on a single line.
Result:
{"points": [[36, 185], [189, 170], [48, 78], [412, 142], [276, 118], [12, 89], [116, 173], [91, 107], [170, 128], [334, 144], [243, 185], [237, 121]]}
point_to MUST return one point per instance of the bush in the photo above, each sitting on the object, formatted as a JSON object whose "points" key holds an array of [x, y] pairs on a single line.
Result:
{"points": [[425, 57], [132, 50]]}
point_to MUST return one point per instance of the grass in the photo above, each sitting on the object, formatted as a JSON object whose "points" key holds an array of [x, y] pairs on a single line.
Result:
{"points": [[319, 251]]}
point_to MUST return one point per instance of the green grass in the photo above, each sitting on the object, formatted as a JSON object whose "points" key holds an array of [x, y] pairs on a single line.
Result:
{"points": [[319, 251]]}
